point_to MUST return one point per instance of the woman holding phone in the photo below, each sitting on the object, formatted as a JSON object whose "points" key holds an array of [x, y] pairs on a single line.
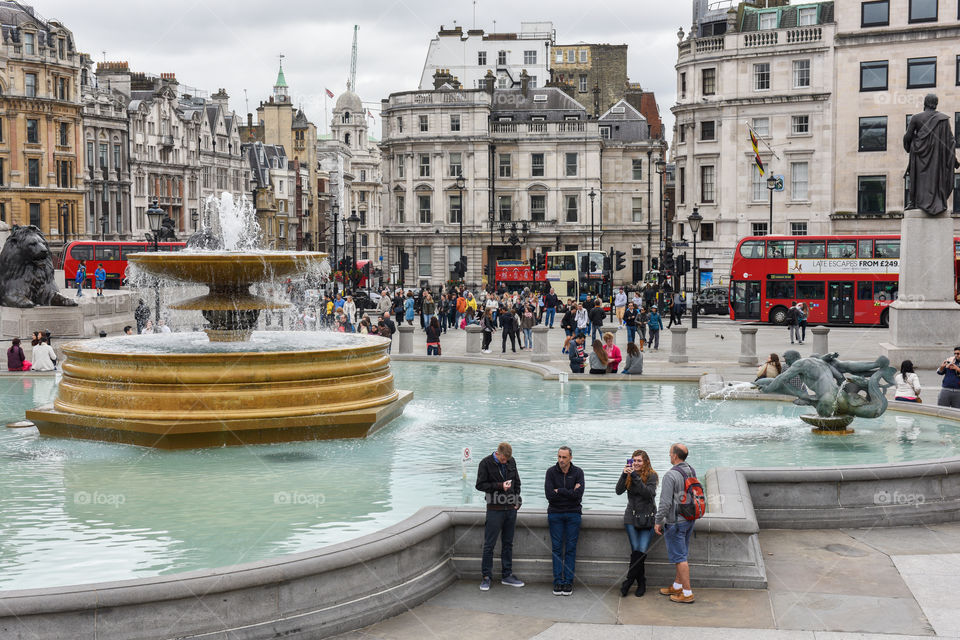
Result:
{"points": [[639, 481]]}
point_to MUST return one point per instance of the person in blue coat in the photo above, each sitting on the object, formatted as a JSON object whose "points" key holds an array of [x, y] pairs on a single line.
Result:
{"points": [[81, 276], [100, 276], [655, 324], [408, 311]]}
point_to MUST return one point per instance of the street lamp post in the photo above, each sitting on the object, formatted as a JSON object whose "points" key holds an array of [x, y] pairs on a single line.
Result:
{"points": [[104, 220], [194, 217], [335, 210], [65, 214], [354, 222], [591, 195], [155, 217], [771, 186], [461, 183], [694, 220], [661, 168]]}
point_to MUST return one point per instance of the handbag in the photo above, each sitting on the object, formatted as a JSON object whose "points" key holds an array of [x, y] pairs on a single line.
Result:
{"points": [[643, 521]]}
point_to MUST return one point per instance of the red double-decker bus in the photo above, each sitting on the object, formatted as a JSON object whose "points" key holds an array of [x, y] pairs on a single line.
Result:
{"points": [[841, 279], [112, 254]]}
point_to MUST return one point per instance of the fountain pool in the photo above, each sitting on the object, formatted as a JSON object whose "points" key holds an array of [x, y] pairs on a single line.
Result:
{"points": [[77, 511]]}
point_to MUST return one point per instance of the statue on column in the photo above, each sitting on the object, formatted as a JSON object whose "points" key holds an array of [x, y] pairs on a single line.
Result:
{"points": [[932, 149]]}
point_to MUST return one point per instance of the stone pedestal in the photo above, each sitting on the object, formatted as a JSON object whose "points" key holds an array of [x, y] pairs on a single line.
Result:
{"points": [[541, 344], [611, 328], [406, 340], [748, 346], [474, 338], [821, 340], [678, 345], [925, 317]]}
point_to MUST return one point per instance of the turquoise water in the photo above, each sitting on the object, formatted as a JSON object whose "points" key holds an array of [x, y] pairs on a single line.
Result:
{"points": [[75, 511]]}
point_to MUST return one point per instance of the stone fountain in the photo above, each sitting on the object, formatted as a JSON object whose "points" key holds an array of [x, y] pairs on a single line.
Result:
{"points": [[234, 386]]}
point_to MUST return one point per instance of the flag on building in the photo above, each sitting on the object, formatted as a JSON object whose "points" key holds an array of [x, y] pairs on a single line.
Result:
{"points": [[329, 93], [756, 152], [369, 115]]}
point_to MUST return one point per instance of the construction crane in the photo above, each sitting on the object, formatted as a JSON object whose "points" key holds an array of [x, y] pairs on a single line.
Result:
{"points": [[352, 84]]}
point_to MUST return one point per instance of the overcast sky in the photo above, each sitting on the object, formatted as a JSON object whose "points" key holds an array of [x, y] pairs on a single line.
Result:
{"points": [[235, 44]]}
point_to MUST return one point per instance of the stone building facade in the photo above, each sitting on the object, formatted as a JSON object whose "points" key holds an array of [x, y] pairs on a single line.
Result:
{"points": [[41, 131], [596, 72]]}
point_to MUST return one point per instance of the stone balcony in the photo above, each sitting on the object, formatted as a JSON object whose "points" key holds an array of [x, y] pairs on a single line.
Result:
{"points": [[733, 42], [572, 128]]}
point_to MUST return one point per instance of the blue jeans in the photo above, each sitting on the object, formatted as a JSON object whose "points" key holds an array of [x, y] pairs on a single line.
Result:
{"points": [[528, 338], [677, 538], [639, 538], [80, 288], [443, 322], [654, 338], [631, 333], [502, 524], [564, 531], [433, 350], [427, 317], [594, 330], [550, 313]]}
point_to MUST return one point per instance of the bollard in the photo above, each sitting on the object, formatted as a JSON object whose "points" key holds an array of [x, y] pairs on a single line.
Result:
{"points": [[541, 344], [678, 345], [406, 340], [610, 328], [474, 338], [821, 342], [748, 346]]}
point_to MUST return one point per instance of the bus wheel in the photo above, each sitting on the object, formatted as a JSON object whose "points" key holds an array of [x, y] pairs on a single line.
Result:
{"points": [[885, 318], [778, 315]]}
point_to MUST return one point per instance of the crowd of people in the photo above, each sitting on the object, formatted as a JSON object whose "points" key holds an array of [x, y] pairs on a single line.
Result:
{"points": [[44, 356]]}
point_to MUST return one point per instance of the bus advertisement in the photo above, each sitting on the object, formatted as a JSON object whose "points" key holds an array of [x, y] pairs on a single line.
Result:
{"points": [[845, 280]]}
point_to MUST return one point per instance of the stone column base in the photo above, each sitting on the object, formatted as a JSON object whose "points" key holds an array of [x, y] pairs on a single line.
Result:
{"points": [[922, 332]]}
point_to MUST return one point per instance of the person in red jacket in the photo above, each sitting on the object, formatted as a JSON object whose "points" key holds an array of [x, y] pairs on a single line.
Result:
{"points": [[612, 351]]}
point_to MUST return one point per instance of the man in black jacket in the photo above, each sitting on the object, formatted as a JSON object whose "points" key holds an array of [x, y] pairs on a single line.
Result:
{"points": [[597, 316], [563, 487], [497, 477]]}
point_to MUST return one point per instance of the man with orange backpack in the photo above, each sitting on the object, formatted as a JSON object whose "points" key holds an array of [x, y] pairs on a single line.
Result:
{"points": [[461, 310], [681, 504]]}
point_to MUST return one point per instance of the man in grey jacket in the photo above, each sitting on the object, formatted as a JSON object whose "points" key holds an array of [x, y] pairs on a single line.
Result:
{"points": [[676, 531]]}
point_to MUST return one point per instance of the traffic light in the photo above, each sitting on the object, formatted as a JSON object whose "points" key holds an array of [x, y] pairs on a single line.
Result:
{"points": [[621, 263], [541, 262], [655, 264], [462, 267], [533, 263], [607, 263], [404, 260], [585, 264], [669, 263]]}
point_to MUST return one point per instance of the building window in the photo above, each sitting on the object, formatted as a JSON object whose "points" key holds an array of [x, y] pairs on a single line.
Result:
{"points": [[761, 126], [707, 184], [363, 196], [706, 232], [505, 166], [29, 42], [538, 207], [424, 124], [35, 214], [1, 129], [505, 206], [709, 82], [758, 229], [455, 122], [456, 210], [399, 125], [923, 11], [875, 14], [873, 134], [530, 57], [424, 259], [61, 48], [807, 16], [873, 76], [871, 194], [116, 157], [682, 128], [799, 125], [532, 82], [63, 89], [424, 165], [761, 76], [400, 164], [571, 164], [456, 166], [3, 173], [637, 168], [758, 184], [571, 56], [583, 83], [683, 85], [708, 130], [799, 181], [401, 209], [801, 74], [64, 139], [536, 165], [958, 69], [363, 175], [921, 73], [33, 172], [605, 132], [30, 85], [798, 228], [636, 210], [767, 20], [683, 185], [33, 131], [572, 203], [501, 58], [583, 56], [426, 217], [481, 58]]}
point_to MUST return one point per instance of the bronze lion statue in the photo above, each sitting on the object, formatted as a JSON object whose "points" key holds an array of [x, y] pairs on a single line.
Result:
{"points": [[26, 271]]}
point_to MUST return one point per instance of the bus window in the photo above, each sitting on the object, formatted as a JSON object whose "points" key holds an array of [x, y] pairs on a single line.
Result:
{"points": [[810, 249], [108, 252], [780, 249], [887, 249], [780, 289], [865, 248], [561, 263], [865, 290], [842, 249], [752, 249], [886, 291], [82, 252], [127, 249], [810, 290]]}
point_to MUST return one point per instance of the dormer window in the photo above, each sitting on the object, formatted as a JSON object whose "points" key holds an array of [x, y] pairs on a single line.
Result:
{"points": [[807, 16], [767, 20], [29, 40]]}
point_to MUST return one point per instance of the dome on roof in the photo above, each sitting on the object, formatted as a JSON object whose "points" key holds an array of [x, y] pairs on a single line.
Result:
{"points": [[349, 101]]}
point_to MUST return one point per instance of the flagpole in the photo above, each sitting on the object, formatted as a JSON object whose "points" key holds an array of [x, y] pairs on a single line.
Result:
{"points": [[326, 123]]}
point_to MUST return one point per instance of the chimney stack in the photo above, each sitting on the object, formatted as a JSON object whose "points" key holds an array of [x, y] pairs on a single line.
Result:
{"points": [[524, 83], [489, 82]]}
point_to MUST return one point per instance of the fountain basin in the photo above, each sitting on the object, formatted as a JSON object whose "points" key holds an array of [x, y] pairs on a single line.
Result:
{"points": [[180, 390]]}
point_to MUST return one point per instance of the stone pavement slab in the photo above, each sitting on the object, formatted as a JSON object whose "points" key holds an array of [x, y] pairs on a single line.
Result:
{"points": [[835, 612], [567, 631], [900, 541], [427, 622], [935, 582], [746, 608]]}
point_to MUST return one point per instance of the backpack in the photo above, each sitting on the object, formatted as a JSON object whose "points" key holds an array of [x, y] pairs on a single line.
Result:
{"points": [[693, 504]]}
